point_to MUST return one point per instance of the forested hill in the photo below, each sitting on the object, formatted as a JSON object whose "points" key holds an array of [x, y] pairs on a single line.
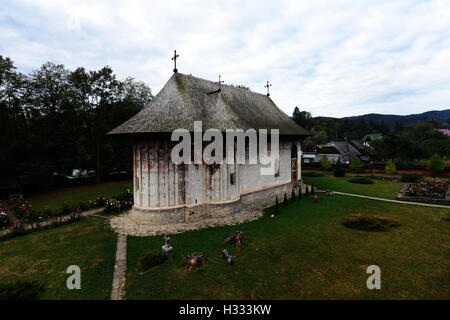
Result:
{"points": [[390, 119]]}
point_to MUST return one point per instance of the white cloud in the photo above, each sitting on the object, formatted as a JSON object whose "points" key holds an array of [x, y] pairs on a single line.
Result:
{"points": [[333, 58]]}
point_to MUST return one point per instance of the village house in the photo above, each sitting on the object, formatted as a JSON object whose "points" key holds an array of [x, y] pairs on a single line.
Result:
{"points": [[166, 193], [369, 138], [334, 151]]}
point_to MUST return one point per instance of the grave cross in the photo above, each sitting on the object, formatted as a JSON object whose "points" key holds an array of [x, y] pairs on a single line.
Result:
{"points": [[220, 82], [175, 56], [267, 86]]}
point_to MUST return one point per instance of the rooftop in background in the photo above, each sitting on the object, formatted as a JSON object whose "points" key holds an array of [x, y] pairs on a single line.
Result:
{"points": [[372, 136], [185, 99]]}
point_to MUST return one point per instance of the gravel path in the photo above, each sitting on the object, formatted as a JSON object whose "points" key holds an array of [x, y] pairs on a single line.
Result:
{"points": [[120, 268], [391, 200]]}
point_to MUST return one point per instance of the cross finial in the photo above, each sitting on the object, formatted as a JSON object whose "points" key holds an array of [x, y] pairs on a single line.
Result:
{"points": [[175, 56], [267, 86], [220, 81]]}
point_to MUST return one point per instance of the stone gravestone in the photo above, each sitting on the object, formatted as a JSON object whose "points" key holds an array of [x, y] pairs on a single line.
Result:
{"points": [[167, 248]]}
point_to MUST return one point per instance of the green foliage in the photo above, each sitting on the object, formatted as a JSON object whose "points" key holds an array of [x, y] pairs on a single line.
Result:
{"points": [[312, 189], [61, 117], [293, 195], [285, 200], [151, 259], [436, 165], [303, 118], [339, 170], [355, 165], [306, 191], [390, 167], [326, 163], [21, 290], [416, 141], [312, 174], [411, 177], [300, 192], [277, 206], [369, 223], [360, 180]]}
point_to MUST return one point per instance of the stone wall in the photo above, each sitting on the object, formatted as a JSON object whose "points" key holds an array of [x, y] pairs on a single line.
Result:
{"points": [[256, 200]]}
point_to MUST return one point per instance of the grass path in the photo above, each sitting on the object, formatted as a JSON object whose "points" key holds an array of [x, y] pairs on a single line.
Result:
{"points": [[394, 201]]}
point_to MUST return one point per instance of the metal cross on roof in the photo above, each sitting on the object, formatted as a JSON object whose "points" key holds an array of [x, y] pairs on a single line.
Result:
{"points": [[175, 56], [220, 82], [267, 86]]}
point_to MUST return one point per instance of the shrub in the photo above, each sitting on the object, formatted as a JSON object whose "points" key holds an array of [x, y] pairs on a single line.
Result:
{"points": [[300, 192], [312, 174], [293, 195], [326, 163], [47, 213], [390, 167], [4, 219], [356, 165], [151, 259], [126, 195], [436, 165], [83, 205], [277, 206], [360, 180], [306, 191], [339, 170], [21, 290], [66, 208], [312, 189], [366, 223], [285, 201], [112, 206], [99, 202], [411, 177]]}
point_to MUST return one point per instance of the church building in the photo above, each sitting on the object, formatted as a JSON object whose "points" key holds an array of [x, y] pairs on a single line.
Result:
{"points": [[167, 193]]}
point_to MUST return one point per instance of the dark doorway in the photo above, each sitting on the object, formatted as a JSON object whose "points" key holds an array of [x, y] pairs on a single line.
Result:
{"points": [[294, 165]]}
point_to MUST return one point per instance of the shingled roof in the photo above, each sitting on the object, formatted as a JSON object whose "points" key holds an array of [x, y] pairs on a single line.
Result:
{"points": [[346, 150], [185, 99]]}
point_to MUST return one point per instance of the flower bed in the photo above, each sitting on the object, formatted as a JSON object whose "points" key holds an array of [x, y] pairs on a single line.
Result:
{"points": [[4, 219], [30, 220], [429, 191], [432, 188]]}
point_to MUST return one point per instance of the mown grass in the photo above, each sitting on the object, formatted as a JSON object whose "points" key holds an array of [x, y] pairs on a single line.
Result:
{"points": [[55, 199], [44, 256], [379, 188], [304, 253]]}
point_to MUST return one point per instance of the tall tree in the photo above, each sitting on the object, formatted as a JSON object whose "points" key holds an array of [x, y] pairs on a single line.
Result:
{"points": [[94, 93]]}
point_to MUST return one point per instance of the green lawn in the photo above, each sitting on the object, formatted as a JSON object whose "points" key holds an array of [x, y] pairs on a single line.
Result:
{"points": [[305, 253], [380, 188], [55, 199], [45, 256]]}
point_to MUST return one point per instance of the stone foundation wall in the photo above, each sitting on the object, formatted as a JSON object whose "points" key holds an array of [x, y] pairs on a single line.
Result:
{"points": [[257, 199]]}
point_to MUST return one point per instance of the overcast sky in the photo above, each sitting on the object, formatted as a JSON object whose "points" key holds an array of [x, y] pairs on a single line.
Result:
{"points": [[332, 58]]}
